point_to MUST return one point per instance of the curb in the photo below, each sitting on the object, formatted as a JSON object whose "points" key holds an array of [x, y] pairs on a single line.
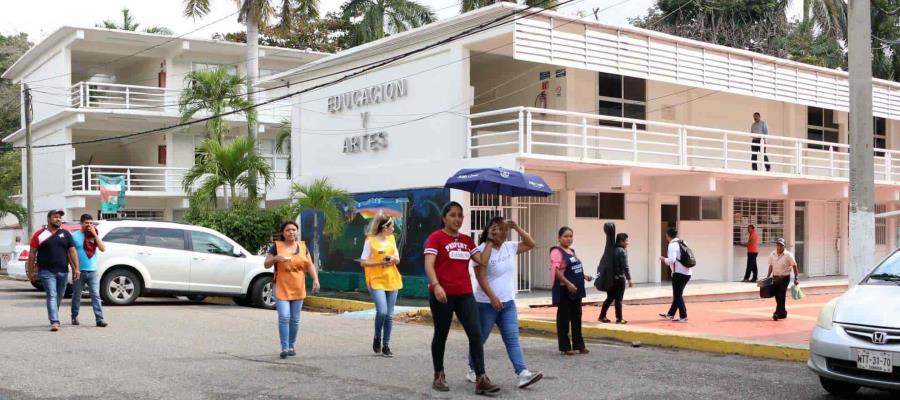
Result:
{"points": [[327, 303]]}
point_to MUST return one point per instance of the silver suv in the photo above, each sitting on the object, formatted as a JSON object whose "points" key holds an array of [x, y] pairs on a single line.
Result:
{"points": [[178, 259]]}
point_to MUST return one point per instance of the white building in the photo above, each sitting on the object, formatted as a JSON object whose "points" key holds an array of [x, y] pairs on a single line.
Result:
{"points": [[547, 94], [93, 83]]}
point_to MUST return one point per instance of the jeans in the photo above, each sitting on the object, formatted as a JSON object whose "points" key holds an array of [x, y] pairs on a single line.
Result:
{"points": [[92, 278], [780, 285], [467, 313], [507, 320], [755, 149], [615, 294], [288, 321], [751, 267], [568, 313], [679, 281], [384, 313], [55, 289]]}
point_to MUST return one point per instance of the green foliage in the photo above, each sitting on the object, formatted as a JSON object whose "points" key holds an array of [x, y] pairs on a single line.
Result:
{"points": [[216, 91], [379, 18], [11, 48], [469, 5], [229, 167], [329, 35], [252, 227], [128, 24], [321, 197]]}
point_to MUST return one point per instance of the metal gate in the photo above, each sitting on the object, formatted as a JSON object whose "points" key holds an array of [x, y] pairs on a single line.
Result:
{"points": [[483, 207]]}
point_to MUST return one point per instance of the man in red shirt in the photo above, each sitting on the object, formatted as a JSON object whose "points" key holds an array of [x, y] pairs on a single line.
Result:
{"points": [[752, 246]]}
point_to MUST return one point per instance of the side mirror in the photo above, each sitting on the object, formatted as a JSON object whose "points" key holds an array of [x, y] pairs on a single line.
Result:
{"points": [[237, 253]]}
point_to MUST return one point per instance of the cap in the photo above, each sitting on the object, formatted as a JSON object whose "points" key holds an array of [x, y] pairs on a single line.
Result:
{"points": [[780, 241], [51, 212]]}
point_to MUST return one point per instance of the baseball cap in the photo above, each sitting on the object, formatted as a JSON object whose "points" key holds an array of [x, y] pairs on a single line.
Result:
{"points": [[780, 241], [51, 212]]}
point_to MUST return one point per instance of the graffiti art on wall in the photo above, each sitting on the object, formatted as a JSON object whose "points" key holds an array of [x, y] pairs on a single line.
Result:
{"points": [[417, 213]]}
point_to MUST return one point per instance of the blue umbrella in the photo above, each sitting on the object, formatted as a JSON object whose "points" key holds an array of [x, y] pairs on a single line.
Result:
{"points": [[498, 181]]}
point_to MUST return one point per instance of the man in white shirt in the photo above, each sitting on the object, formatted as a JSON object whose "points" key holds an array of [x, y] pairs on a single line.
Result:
{"points": [[680, 277], [781, 264], [760, 127]]}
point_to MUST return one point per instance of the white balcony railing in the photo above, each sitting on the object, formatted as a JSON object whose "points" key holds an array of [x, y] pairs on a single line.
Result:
{"points": [[137, 179], [580, 136]]}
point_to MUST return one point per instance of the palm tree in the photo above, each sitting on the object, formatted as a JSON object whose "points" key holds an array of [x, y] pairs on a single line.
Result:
{"points": [[385, 17], [321, 197], [10, 206], [283, 141], [216, 91], [829, 16], [229, 167], [469, 5], [128, 24]]}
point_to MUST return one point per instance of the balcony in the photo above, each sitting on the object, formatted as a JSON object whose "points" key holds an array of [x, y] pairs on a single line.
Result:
{"points": [[146, 180], [579, 137]]}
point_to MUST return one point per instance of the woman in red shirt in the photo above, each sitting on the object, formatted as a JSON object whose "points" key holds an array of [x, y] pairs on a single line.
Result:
{"points": [[447, 255]]}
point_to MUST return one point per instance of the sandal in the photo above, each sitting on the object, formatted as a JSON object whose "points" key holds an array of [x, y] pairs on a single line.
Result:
{"points": [[604, 320]]}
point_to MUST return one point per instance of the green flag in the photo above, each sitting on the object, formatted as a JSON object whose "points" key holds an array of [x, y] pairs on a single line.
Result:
{"points": [[112, 193]]}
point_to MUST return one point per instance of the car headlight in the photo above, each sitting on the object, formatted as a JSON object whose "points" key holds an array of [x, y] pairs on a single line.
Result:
{"points": [[826, 316]]}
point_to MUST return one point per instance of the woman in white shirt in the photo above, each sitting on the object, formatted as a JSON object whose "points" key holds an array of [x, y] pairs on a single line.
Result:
{"points": [[495, 292]]}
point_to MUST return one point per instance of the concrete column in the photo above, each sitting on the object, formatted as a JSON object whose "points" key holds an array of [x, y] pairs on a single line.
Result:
{"points": [[654, 241], [845, 241], [728, 215]]}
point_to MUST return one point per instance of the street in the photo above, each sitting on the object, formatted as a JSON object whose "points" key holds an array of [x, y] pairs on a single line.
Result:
{"points": [[175, 349]]}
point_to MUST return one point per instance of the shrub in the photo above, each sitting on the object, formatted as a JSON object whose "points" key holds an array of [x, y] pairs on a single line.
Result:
{"points": [[249, 225]]}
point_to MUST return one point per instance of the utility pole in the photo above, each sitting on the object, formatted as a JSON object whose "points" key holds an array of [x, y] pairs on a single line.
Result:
{"points": [[862, 168], [29, 172]]}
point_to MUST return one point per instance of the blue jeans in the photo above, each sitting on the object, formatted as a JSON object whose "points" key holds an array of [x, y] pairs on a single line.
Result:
{"points": [[384, 313], [288, 321], [507, 319], [92, 278], [55, 289]]}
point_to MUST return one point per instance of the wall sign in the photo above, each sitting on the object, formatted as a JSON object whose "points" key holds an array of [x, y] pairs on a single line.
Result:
{"points": [[384, 92], [368, 142]]}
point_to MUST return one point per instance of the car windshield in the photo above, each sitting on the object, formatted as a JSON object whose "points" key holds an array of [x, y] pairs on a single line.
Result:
{"points": [[889, 270]]}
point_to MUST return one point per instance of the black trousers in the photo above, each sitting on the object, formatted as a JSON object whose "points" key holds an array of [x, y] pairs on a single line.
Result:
{"points": [[614, 294], [679, 281], [751, 267], [780, 285], [467, 313], [568, 314], [755, 149]]}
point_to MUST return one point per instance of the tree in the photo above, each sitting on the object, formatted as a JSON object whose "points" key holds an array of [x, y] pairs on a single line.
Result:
{"points": [[128, 24], [320, 197], [469, 5], [283, 141], [11, 48], [329, 35], [229, 167], [378, 18], [216, 91]]}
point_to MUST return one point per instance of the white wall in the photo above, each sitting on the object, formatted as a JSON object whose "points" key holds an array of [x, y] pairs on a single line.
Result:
{"points": [[50, 80]]}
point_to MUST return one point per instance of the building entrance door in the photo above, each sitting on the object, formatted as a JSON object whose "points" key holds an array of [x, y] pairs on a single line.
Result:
{"points": [[669, 220], [800, 235], [824, 236]]}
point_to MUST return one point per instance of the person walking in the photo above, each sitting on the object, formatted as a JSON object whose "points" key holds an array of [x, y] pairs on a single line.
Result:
{"points": [[52, 251], [680, 277], [447, 256], [622, 274], [760, 127], [379, 260], [87, 243], [752, 246], [567, 278], [781, 264], [290, 258], [495, 293]]}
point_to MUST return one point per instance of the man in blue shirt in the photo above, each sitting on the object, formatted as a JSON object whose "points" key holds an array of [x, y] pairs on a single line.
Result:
{"points": [[87, 243]]}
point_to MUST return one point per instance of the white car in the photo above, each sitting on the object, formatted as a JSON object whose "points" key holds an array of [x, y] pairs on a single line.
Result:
{"points": [[856, 341], [16, 266], [169, 258]]}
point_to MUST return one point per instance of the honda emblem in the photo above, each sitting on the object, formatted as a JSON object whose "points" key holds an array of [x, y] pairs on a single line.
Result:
{"points": [[879, 338]]}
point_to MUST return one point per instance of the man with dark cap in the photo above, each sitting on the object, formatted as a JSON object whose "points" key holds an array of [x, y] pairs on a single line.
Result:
{"points": [[52, 250], [781, 264]]}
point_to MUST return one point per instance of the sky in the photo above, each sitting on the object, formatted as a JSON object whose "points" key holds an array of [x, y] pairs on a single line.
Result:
{"points": [[40, 18]]}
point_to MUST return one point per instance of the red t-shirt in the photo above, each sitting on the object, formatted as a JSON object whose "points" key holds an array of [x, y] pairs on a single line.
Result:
{"points": [[753, 243], [451, 264]]}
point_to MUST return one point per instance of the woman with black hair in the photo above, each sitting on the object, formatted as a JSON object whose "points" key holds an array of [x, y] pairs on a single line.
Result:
{"points": [[620, 275], [567, 277], [447, 256]]}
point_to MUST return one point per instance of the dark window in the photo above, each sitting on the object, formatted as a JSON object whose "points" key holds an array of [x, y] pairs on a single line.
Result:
{"points": [[689, 208], [821, 127], [814, 116], [207, 243], [711, 208], [635, 89], [610, 85], [880, 126], [635, 111], [161, 155], [828, 119], [612, 109], [124, 236], [621, 96], [165, 238], [586, 206], [612, 205]]}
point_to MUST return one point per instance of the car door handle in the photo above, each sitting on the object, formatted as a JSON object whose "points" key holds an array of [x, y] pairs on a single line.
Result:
{"points": [[144, 253], [199, 259]]}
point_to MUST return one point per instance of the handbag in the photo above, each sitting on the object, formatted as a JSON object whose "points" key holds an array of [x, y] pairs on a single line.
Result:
{"points": [[766, 288], [797, 293]]}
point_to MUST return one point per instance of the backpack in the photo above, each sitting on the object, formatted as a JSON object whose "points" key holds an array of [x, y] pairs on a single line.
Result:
{"points": [[687, 256]]}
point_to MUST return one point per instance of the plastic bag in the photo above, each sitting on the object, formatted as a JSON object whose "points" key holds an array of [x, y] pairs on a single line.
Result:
{"points": [[796, 292]]}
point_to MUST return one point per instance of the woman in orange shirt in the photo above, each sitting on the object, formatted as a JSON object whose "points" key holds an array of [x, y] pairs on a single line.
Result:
{"points": [[380, 259], [291, 260]]}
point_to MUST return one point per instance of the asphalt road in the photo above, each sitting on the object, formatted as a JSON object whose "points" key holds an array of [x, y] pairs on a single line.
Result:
{"points": [[174, 349]]}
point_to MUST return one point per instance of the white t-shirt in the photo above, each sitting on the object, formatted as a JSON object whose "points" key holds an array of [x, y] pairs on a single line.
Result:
{"points": [[501, 273]]}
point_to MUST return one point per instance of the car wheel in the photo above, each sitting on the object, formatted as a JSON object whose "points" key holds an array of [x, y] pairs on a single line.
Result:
{"points": [[37, 285], [264, 293], [838, 388], [242, 301], [196, 297], [120, 287]]}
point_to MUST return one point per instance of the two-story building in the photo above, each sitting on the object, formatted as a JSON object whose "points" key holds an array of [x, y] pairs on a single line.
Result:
{"points": [[636, 127], [92, 84]]}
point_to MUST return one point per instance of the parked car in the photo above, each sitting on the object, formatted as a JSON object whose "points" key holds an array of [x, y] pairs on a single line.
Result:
{"points": [[856, 341], [16, 266]]}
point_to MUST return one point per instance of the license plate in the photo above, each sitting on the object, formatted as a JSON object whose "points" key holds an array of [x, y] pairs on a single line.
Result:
{"points": [[880, 361]]}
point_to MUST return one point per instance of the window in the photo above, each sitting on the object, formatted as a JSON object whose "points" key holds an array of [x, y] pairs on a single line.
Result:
{"points": [[600, 205], [277, 161], [164, 238], [124, 236], [198, 66], [880, 225], [696, 208], [821, 127], [207, 243], [161, 155], [766, 215], [622, 96], [143, 215], [879, 125]]}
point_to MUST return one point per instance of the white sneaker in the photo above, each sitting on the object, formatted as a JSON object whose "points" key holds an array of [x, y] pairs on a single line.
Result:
{"points": [[527, 378], [470, 376], [679, 320]]}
